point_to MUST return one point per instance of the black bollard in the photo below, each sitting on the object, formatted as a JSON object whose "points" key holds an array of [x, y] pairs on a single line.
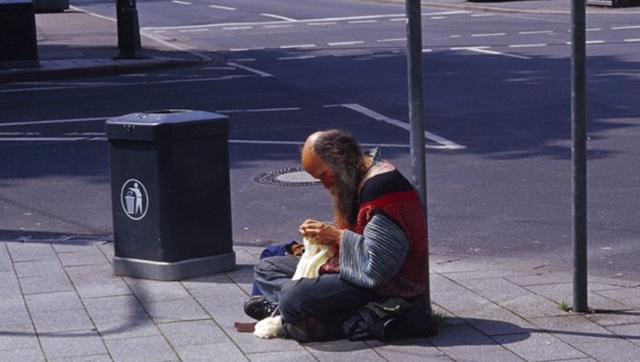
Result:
{"points": [[128, 29]]}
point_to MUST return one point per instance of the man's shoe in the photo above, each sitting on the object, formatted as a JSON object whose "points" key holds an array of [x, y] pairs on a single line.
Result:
{"points": [[258, 307]]}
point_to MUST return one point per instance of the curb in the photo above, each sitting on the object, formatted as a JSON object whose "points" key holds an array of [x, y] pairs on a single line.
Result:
{"points": [[473, 6], [78, 68]]}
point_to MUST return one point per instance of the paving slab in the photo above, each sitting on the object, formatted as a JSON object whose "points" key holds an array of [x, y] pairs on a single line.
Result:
{"points": [[227, 352], [89, 257], [283, 356], [343, 350], [409, 350], [464, 342], [155, 291], [539, 346], [52, 302], [22, 355], [62, 321], [30, 252], [74, 344], [45, 284], [191, 333], [149, 349], [175, 310], [590, 338]]}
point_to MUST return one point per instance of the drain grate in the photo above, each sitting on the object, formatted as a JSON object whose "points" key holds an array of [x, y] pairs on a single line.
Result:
{"points": [[287, 177]]}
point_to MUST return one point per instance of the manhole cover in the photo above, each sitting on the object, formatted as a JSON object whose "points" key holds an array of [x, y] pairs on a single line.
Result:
{"points": [[291, 176]]}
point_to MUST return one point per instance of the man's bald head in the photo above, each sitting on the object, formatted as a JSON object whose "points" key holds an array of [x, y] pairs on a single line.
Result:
{"points": [[334, 157]]}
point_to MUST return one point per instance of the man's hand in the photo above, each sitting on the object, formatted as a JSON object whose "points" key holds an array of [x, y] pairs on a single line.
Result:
{"points": [[322, 232]]}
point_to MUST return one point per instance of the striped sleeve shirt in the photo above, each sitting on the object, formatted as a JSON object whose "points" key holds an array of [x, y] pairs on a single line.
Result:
{"points": [[373, 258]]}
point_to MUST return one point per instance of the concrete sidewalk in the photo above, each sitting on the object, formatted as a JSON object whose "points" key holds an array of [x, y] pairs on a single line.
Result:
{"points": [[60, 302], [76, 44]]}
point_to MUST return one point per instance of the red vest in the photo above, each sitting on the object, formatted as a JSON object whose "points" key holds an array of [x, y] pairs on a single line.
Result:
{"points": [[406, 210]]}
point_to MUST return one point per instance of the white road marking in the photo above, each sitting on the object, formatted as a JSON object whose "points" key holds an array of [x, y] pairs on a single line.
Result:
{"points": [[237, 27], [445, 143], [485, 50], [231, 141], [180, 2], [487, 35], [55, 121], [595, 42], [293, 46], [392, 40], [279, 17], [304, 21], [398, 19], [42, 139], [278, 26], [625, 27], [300, 143], [455, 36], [632, 40], [245, 60], [481, 15], [194, 30], [593, 29], [218, 68], [128, 84], [343, 43], [535, 32], [528, 45], [222, 7], [438, 17], [427, 50], [298, 58], [249, 69], [362, 21], [321, 24]]}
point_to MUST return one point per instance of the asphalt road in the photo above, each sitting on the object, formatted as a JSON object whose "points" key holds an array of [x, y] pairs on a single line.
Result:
{"points": [[497, 108]]}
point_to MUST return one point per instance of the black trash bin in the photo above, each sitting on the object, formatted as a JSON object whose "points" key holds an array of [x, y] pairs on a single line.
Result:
{"points": [[18, 39], [170, 194]]}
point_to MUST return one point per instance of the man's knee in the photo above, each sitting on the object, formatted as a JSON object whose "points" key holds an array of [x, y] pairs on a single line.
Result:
{"points": [[292, 302]]}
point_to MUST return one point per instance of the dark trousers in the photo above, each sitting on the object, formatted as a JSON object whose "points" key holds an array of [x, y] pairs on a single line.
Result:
{"points": [[311, 309]]}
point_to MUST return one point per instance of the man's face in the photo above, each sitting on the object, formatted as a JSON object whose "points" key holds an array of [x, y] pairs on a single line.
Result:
{"points": [[316, 167]]}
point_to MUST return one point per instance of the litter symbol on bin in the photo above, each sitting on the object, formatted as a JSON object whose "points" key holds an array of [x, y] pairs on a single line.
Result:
{"points": [[134, 199]]}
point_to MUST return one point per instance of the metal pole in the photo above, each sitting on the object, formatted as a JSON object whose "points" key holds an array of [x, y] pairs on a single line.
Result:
{"points": [[128, 29], [416, 117], [579, 155]]}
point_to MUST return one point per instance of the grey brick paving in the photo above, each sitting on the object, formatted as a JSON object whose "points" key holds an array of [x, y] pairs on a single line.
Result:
{"points": [[463, 342], [193, 333], [92, 358], [90, 257], [590, 338], [227, 352], [45, 284], [80, 343], [61, 321], [538, 347], [284, 356], [147, 349], [22, 355], [31, 252], [63, 303], [342, 350], [175, 310]]}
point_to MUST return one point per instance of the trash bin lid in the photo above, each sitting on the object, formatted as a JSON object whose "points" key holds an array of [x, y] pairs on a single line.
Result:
{"points": [[166, 125]]}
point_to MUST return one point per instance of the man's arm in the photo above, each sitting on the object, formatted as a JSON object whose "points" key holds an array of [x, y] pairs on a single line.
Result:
{"points": [[373, 258]]}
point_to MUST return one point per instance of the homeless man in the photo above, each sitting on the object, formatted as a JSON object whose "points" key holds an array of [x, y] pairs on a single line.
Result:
{"points": [[379, 238]]}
